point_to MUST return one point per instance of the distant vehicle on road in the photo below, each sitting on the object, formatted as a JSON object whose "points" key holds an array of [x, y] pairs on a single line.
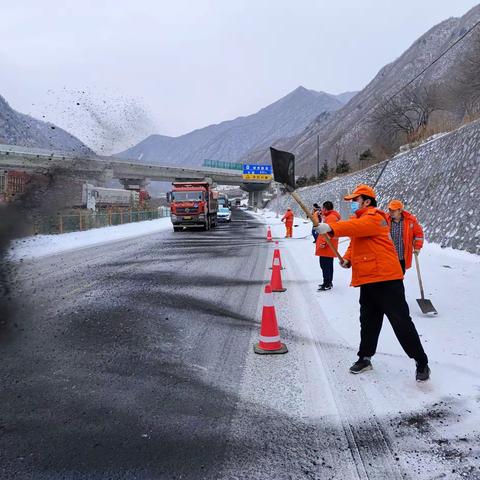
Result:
{"points": [[238, 202], [223, 200], [94, 197], [193, 204], [224, 214]]}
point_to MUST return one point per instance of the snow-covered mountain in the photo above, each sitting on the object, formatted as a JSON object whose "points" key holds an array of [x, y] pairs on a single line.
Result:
{"points": [[230, 140], [347, 132], [19, 129]]}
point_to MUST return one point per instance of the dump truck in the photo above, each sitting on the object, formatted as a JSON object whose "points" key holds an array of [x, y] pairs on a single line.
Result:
{"points": [[193, 205]]}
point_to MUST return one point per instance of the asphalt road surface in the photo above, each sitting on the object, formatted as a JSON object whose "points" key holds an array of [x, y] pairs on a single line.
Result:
{"points": [[123, 360]]}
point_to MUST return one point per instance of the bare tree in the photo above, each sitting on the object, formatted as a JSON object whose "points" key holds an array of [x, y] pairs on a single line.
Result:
{"points": [[406, 114], [466, 86]]}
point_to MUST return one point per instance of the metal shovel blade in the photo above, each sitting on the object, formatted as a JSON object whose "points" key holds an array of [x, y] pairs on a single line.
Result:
{"points": [[426, 306], [283, 164]]}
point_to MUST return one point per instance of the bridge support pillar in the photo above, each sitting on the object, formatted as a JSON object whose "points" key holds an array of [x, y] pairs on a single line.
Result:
{"points": [[255, 199], [104, 177], [138, 184]]}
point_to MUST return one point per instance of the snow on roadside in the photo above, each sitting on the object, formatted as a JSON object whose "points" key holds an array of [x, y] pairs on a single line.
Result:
{"points": [[44, 245], [451, 279], [448, 405]]}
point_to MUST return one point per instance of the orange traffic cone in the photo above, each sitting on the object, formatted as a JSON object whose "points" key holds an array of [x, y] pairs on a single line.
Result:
{"points": [[269, 335], [269, 234], [276, 279], [276, 254]]}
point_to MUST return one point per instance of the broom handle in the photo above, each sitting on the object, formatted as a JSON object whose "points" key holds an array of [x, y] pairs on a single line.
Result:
{"points": [[419, 276], [315, 223]]}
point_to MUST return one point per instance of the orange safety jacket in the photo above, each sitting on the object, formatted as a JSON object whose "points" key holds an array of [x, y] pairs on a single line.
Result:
{"points": [[412, 236], [322, 249], [288, 217], [371, 251]]}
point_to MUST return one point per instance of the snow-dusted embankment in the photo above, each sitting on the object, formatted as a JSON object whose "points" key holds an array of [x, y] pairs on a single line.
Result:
{"points": [[43, 245], [438, 181]]}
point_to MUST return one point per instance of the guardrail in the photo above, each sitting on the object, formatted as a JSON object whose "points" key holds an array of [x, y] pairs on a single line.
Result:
{"points": [[80, 221]]}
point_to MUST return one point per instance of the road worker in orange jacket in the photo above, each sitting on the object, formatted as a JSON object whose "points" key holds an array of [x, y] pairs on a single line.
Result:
{"points": [[406, 233], [323, 251], [316, 215], [377, 271], [288, 219]]}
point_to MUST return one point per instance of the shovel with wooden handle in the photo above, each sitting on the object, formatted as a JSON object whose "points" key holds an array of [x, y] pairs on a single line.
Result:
{"points": [[425, 305], [283, 164]]}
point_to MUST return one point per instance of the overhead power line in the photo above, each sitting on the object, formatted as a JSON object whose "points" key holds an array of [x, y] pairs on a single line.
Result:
{"points": [[373, 107]]}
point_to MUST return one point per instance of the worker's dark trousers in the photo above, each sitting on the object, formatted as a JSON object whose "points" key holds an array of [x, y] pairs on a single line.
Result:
{"points": [[387, 298], [326, 264]]}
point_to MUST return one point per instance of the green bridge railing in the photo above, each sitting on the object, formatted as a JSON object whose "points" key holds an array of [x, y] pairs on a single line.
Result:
{"points": [[221, 164]]}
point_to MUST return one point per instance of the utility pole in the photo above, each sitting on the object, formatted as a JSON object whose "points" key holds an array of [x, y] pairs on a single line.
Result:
{"points": [[318, 155]]}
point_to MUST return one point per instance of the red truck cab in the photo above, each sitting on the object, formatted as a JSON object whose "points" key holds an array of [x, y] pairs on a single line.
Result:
{"points": [[193, 204]]}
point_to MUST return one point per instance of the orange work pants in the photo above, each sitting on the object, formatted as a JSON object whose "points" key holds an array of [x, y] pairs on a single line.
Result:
{"points": [[289, 230]]}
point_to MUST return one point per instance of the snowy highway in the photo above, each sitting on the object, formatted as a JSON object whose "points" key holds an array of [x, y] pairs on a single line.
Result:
{"points": [[126, 362], [133, 359]]}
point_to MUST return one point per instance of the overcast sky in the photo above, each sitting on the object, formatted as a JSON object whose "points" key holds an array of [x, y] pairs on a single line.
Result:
{"points": [[196, 62]]}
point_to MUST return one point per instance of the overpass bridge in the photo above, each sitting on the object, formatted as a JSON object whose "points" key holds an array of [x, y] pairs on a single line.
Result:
{"points": [[102, 168]]}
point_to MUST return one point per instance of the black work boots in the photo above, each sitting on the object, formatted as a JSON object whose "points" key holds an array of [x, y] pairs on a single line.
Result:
{"points": [[423, 373], [361, 365]]}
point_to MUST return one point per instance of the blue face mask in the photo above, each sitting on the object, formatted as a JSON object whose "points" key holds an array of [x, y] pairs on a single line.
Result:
{"points": [[354, 206]]}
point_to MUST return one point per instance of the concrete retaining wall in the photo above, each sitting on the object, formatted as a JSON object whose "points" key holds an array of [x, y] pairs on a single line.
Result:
{"points": [[438, 181]]}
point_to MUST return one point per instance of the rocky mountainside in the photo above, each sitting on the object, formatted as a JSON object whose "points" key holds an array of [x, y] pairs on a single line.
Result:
{"points": [[23, 130], [448, 91], [230, 140]]}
